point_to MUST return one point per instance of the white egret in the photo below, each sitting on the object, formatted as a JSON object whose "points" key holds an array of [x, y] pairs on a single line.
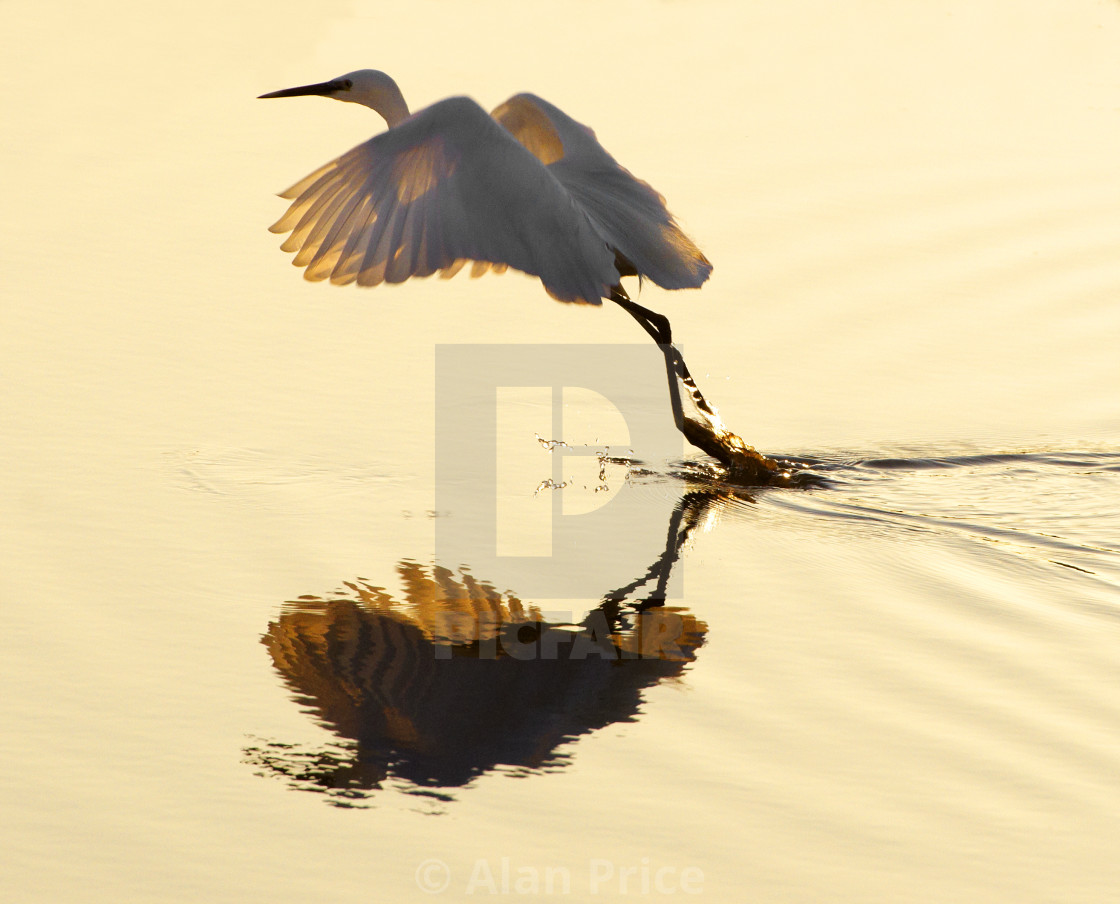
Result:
{"points": [[525, 187]]}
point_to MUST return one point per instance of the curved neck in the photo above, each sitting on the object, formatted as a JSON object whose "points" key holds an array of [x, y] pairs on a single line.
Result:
{"points": [[391, 106]]}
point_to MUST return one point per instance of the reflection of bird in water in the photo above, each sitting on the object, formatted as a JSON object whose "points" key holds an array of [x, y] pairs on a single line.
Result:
{"points": [[525, 187], [459, 679]]}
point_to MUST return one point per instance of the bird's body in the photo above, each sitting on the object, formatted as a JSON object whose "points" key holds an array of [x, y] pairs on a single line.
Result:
{"points": [[526, 187]]}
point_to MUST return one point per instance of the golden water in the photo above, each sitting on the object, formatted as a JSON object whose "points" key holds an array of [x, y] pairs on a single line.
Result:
{"points": [[898, 685]]}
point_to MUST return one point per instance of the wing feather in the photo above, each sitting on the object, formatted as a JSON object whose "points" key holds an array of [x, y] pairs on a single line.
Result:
{"points": [[308, 181], [446, 186], [431, 243], [629, 214], [354, 243], [405, 260], [316, 183], [318, 224], [310, 215], [382, 245], [422, 265], [451, 269], [323, 254]]}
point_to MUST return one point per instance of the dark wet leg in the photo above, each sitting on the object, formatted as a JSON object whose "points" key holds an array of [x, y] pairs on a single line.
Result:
{"points": [[703, 427], [657, 325]]}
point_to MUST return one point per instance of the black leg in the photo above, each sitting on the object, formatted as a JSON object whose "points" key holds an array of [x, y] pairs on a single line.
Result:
{"points": [[702, 426], [657, 325]]}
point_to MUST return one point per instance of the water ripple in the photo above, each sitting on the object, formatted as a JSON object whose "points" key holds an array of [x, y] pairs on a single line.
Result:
{"points": [[1054, 507]]}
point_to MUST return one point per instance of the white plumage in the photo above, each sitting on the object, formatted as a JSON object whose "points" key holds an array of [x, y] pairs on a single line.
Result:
{"points": [[527, 187]]}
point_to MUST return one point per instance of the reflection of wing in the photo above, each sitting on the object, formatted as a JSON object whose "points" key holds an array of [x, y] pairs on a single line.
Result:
{"points": [[459, 678], [445, 186], [628, 212]]}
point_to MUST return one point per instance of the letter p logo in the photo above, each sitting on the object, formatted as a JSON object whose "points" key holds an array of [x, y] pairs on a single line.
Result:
{"points": [[502, 508]]}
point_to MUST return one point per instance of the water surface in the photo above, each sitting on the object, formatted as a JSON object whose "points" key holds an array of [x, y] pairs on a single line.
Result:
{"points": [[224, 610]]}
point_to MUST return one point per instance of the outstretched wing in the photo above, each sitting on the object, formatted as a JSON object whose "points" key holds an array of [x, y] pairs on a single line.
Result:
{"points": [[446, 186], [629, 213]]}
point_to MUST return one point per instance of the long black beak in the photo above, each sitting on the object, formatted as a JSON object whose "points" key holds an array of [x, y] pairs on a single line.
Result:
{"points": [[324, 89]]}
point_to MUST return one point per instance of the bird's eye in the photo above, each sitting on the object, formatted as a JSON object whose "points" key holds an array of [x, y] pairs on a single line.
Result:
{"points": [[347, 84]]}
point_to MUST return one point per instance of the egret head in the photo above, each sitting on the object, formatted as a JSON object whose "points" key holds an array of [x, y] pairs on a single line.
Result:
{"points": [[368, 87]]}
